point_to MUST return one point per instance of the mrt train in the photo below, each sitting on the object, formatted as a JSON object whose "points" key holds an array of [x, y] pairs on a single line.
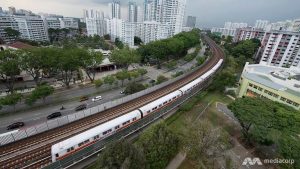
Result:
{"points": [[75, 143]]}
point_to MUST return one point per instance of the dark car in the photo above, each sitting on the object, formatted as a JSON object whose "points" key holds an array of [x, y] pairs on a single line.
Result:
{"points": [[54, 115], [15, 125], [80, 107], [83, 98]]}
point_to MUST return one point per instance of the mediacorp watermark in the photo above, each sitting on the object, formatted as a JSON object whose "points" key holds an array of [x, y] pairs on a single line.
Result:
{"points": [[256, 161]]}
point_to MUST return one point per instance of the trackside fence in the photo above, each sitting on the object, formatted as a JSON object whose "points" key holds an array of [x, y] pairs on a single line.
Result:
{"points": [[10, 137]]}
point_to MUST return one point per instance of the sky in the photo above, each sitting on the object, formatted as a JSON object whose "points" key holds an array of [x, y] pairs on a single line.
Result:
{"points": [[209, 13]]}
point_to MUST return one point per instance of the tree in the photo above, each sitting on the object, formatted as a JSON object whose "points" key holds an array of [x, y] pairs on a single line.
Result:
{"points": [[161, 79], [122, 154], [32, 61], [202, 138], [98, 83], [262, 119], [134, 88], [137, 41], [134, 75], [159, 145], [90, 61], [40, 92], [125, 57], [119, 43], [107, 37], [122, 76], [69, 63], [109, 80], [142, 72], [12, 33], [11, 100], [9, 68]]}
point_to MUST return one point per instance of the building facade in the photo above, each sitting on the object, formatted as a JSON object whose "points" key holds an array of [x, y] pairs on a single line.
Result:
{"points": [[248, 33], [124, 31], [32, 28], [261, 24], [95, 23], [132, 12], [114, 9], [191, 22], [229, 29], [150, 31], [274, 83], [7, 21], [69, 23], [280, 48]]}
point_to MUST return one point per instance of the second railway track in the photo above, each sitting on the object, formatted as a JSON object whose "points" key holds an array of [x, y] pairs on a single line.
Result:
{"points": [[34, 152]]}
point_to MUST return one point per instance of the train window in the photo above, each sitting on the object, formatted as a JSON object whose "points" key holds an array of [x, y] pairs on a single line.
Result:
{"points": [[80, 144], [134, 119], [69, 149], [174, 98], [148, 111], [72, 148], [57, 155], [108, 131], [86, 141], [117, 127], [160, 105], [166, 102], [170, 100], [104, 133], [96, 137], [125, 123]]}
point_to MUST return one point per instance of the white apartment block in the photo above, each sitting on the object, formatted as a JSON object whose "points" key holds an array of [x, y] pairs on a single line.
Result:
{"points": [[234, 25], [229, 28], [261, 24], [280, 48], [124, 31], [132, 12], [153, 10], [248, 33], [95, 23], [114, 10], [69, 23], [173, 15], [32, 28], [7, 21], [52, 22], [150, 31]]}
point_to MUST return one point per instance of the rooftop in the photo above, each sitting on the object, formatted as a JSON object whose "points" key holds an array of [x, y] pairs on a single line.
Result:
{"points": [[277, 78]]}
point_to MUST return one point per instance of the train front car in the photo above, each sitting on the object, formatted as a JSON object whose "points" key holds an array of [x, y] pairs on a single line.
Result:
{"points": [[69, 146]]}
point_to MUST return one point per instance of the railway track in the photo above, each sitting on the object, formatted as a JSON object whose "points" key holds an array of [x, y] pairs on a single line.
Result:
{"points": [[35, 151]]}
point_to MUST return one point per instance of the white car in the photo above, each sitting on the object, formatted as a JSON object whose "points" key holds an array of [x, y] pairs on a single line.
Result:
{"points": [[97, 98]]}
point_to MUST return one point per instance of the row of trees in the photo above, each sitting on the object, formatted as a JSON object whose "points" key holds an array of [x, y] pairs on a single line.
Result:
{"points": [[270, 123], [45, 62], [171, 48], [154, 149], [237, 54]]}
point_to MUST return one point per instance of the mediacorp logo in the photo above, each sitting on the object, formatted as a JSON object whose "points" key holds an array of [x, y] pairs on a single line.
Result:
{"points": [[250, 161], [256, 161]]}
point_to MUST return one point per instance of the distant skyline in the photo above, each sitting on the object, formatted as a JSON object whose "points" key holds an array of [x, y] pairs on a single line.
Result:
{"points": [[209, 13]]}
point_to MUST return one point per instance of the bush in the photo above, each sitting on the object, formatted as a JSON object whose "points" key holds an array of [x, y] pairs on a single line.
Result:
{"points": [[201, 60], [161, 79], [134, 88], [98, 83], [171, 65], [178, 74]]}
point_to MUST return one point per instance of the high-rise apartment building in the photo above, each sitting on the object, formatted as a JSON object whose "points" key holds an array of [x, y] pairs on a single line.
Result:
{"points": [[124, 31], [12, 10], [140, 14], [191, 22], [32, 28], [248, 33], [153, 10], [69, 23], [132, 12], [150, 31], [173, 15], [280, 48], [95, 23], [115, 9], [229, 28], [7, 21], [261, 24]]}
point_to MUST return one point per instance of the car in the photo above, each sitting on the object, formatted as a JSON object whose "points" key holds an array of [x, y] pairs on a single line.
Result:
{"points": [[84, 98], [15, 125], [54, 115], [97, 98], [122, 92], [81, 107]]}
